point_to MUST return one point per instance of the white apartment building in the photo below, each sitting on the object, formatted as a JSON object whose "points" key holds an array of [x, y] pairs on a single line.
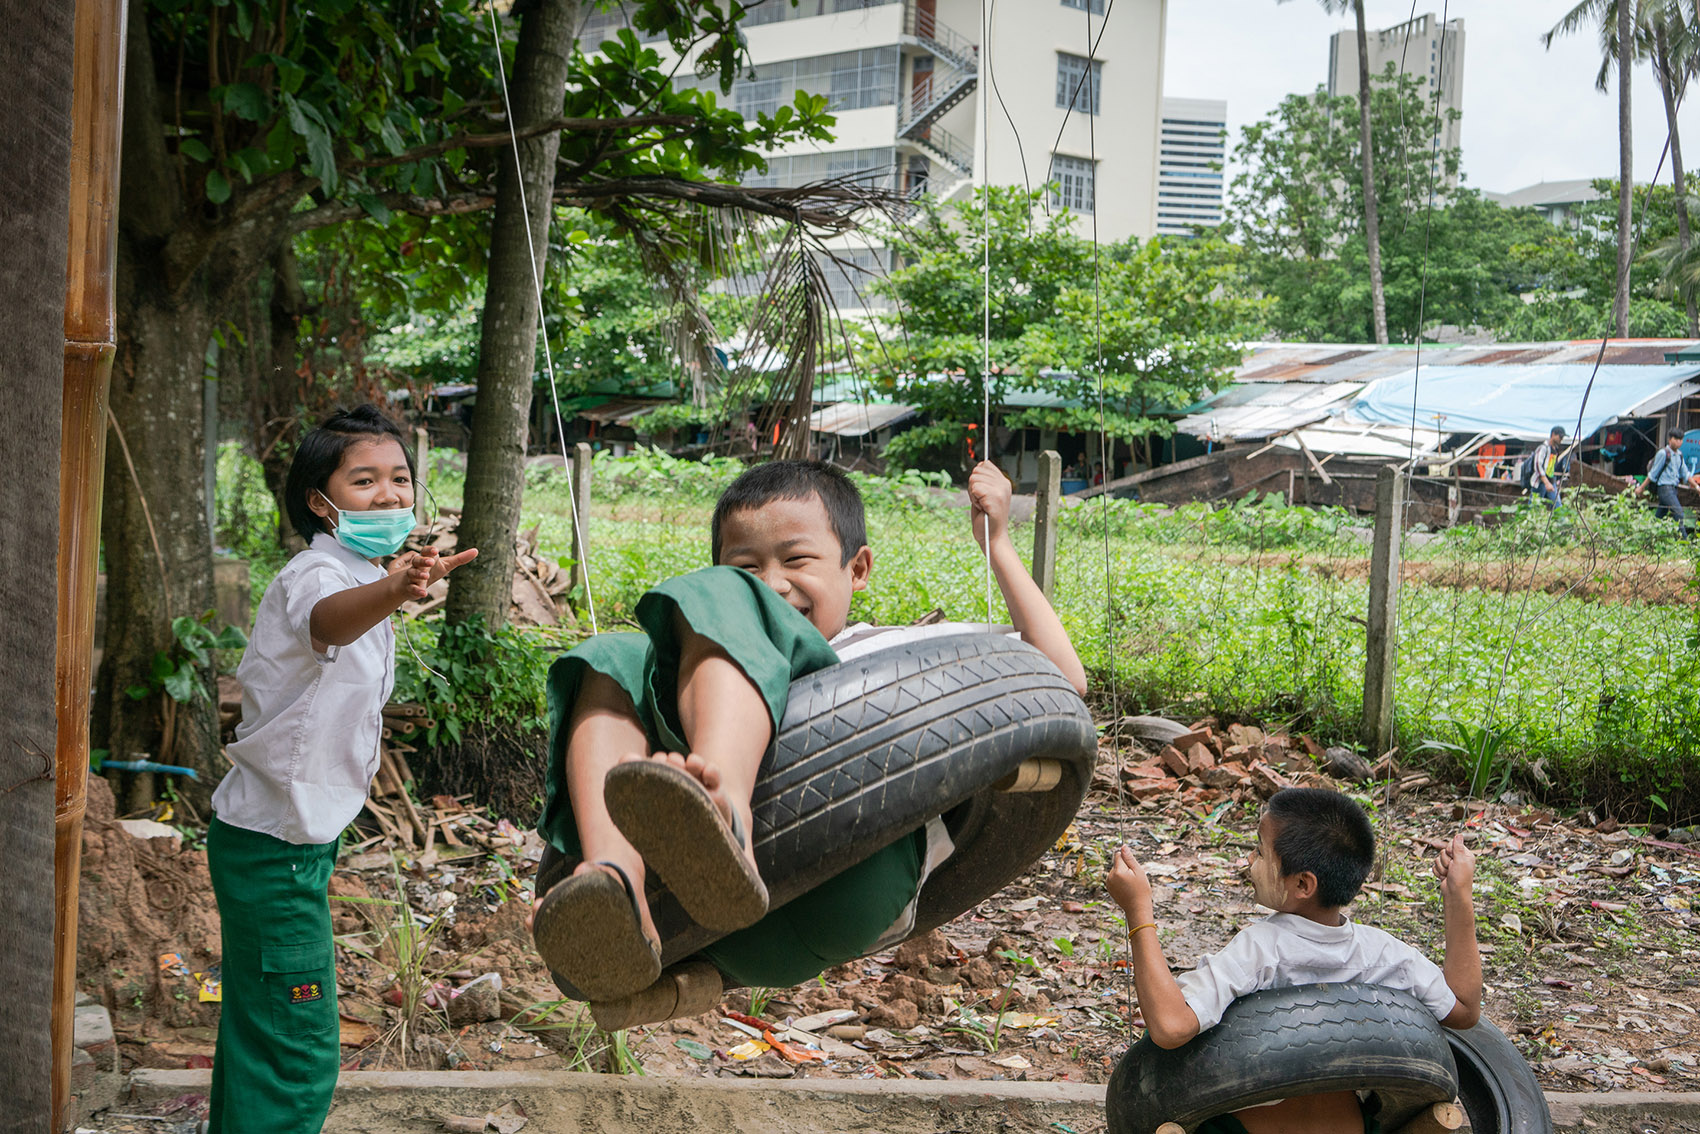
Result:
{"points": [[1423, 48], [903, 78], [1191, 154]]}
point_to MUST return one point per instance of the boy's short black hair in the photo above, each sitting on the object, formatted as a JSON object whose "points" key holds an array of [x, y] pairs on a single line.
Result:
{"points": [[1557, 431], [320, 454], [1327, 834], [798, 480]]}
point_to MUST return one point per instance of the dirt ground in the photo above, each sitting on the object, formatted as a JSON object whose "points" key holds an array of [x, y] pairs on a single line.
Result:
{"points": [[1588, 931]]}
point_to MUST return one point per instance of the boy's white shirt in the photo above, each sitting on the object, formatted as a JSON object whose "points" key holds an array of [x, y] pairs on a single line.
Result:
{"points": [[1285, 949], [861, 638], [307, 747]]}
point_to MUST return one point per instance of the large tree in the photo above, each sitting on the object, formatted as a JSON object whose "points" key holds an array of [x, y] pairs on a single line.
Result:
{"points": [[250, 122], [1294, 206]]}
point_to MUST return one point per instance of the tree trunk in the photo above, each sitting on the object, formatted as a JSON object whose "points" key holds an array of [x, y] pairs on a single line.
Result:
{"points": [[157, 401], [1668, 71], [1626, 10], [172, 283], [35, 152], [495, 468], [1372, 222]]}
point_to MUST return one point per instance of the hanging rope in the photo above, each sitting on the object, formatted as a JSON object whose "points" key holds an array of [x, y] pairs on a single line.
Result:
{"points": [[537, 288]]}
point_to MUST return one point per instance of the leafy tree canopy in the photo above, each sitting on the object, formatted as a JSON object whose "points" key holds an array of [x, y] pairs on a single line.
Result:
{"points": [[1159, 321]]}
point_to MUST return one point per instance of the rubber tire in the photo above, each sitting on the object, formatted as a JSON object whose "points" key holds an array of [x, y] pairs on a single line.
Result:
{"points": [[869, 750], [1285, 1042], [1496, 1085]]}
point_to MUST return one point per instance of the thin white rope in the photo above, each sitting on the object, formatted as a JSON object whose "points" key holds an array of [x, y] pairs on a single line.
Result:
{"points": [[548, 356], [986, 281]]}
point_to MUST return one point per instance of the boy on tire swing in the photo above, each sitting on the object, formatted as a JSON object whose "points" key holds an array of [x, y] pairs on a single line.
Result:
{"points": [[656, 739], [1315, 848]]}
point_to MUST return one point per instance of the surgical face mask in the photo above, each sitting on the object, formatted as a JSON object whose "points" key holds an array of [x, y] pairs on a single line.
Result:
{"points": [[375, 533]]}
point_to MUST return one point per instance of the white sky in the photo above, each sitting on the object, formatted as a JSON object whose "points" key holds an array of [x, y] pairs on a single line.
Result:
{"points": [[1529, 114]]}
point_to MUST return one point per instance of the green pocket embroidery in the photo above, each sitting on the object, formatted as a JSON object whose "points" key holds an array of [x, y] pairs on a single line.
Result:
{"points": [[300, 981]]}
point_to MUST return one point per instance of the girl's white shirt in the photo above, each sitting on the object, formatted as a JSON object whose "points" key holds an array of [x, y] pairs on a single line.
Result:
{"points": [[307, 747]]}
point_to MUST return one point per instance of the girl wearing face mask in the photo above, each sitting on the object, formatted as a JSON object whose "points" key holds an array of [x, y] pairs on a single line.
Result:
{"points": [[319, 667]]}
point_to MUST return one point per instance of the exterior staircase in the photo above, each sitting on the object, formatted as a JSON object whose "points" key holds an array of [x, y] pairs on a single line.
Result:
{"points": [[955, 76]]}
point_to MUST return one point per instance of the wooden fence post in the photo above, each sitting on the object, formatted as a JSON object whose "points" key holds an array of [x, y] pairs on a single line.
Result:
{"points": [[581, 509], [421, 457], [1383, 612], [1049, 500]]}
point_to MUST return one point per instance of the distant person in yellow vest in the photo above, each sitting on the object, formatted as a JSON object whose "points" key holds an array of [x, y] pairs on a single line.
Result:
{"points": [[1544, 467]]}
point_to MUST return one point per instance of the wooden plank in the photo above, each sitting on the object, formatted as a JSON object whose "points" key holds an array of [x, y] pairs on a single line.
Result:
{"points": [[581, 511], [1311, 457], [1377, 723], [1045, 514]]}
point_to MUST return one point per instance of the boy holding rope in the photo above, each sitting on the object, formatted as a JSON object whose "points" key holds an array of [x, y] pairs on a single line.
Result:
{"points": [[656, 739]]}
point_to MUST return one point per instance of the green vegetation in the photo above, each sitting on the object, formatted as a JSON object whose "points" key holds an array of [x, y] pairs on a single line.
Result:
{"points": [[1589, 680]]}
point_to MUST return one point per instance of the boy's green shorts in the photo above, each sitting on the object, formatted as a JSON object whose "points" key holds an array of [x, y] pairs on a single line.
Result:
{"points": [[774, 645]]}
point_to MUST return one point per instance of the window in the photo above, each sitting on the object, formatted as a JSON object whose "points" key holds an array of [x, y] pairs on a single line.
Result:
{"points": [[1096, 7], [1073, 87], [850, 80], [1074, 179], [872, 167]]}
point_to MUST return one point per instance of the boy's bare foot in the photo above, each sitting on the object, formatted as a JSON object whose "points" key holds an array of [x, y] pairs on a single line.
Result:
{"points": [[672, 809]]}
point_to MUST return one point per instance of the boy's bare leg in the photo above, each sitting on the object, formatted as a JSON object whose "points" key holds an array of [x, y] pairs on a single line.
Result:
{"points": [[726, 724], [603, 731]]}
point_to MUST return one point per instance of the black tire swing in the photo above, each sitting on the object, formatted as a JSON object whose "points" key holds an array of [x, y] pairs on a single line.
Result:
{"points": [[1307, 1039], [979, 729]]}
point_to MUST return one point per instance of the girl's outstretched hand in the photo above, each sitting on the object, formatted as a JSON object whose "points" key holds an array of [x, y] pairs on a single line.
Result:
{"points": [[424, 567]]}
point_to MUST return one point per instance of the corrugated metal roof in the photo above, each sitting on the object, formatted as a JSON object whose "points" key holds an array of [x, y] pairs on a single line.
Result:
{"points": [[856, 419], [1281, 387]]}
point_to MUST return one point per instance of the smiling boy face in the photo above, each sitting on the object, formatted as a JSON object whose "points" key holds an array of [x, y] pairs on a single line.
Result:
{"points": [[790, 545]]}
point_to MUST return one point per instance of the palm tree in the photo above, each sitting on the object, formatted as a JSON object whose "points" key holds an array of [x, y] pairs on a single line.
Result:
{"points": [[1675, 51], [1617, 22], [1372, 225]]}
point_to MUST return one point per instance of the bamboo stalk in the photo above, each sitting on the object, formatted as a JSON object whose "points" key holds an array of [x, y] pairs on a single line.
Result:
{"points": [[90, 343]]}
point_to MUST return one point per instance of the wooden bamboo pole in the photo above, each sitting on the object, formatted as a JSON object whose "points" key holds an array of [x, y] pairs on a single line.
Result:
{"points": [[90, 342]]}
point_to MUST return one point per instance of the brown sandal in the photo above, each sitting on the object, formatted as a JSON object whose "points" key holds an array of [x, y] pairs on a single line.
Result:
{"points": [[588, 931], [673, 822]]}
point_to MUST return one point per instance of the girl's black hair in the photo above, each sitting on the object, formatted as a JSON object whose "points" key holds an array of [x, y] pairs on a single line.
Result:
{"points": [[1327, 834], [320, 454], [798, 480]]}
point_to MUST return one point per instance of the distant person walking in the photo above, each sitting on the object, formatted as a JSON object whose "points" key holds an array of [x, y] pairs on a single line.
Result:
{"points": [[1544, 467], [1669, 469]]}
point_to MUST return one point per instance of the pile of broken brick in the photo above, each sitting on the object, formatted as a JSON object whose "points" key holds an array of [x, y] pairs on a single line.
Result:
{"points": [[1207, 763]]}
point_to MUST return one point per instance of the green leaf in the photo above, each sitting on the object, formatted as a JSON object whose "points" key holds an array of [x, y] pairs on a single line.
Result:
{"points": [[163, 666], [245, 100], [194, 149], [230, 638], [375, 208], [139, 692], [182, 685], [218, 187], [321, 155]]}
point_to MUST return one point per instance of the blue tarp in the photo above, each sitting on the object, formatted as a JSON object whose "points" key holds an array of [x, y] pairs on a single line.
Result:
{"points": [[1514, 401]]}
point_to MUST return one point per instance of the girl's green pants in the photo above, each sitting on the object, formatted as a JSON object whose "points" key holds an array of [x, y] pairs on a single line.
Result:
{"points": [[278, 1043], [773, 645]]}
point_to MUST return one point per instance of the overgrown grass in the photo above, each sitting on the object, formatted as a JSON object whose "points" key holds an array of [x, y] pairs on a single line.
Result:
{"points": [[1255, 610]]}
